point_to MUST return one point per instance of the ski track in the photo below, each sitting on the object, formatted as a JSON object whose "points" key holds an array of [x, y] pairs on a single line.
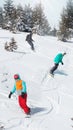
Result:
{"points": [[22, 122], [49, 88], [41, 120]]}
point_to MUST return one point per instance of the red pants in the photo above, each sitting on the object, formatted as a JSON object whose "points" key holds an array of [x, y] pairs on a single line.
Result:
{"points": [[22, 103]]}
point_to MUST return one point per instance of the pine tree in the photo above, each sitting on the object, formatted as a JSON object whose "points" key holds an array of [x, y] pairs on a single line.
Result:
{"points": [[53, 32], [40, 21], [25, 18], [11, 46], [19, 12], [66, 23], [14, 17], [70, 13], [8, 11], [28, 16], [1, 17]]}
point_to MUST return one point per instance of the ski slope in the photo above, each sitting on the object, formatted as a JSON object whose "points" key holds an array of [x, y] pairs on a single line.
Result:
{"points": [[50, 99]]}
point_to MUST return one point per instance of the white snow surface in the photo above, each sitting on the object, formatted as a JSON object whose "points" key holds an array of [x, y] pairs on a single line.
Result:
{"points": [[50, 99]]}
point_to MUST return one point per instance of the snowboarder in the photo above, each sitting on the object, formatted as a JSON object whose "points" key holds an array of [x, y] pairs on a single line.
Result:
{"points": [[29, 40], [57, 60], [20, 87]]}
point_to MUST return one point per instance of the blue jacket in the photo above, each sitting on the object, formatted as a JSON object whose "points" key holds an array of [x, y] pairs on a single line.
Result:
{"points": [[58, 58], [22, 89]]}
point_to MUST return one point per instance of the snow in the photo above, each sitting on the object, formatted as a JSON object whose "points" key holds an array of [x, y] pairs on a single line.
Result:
{"points": [[50, 99]]}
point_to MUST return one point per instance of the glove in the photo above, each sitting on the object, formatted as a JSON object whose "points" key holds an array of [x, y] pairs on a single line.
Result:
{"points": [[22, 94], [62, 63], [10, 95]]}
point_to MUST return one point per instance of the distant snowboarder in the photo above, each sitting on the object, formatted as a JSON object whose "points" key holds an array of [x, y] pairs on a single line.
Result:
{"points": [[57, 60], [20, 87], [30, 40]]}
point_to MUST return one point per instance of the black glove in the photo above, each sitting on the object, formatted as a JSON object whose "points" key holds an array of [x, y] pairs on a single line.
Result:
{"points": [[22, 94], [10, 95], [62, 63]]}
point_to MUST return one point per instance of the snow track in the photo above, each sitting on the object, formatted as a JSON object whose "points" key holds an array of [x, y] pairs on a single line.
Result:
{"points": [[50, 99]]}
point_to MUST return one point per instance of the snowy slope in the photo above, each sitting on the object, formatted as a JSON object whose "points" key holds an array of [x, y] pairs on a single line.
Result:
{"points": [[50, 99]]}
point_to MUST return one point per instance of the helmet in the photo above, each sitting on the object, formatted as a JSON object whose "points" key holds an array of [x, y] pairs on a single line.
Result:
{"points": [[16, 76]]}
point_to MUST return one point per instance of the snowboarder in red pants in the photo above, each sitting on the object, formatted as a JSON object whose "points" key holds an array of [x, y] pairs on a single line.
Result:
{"points": [[20, 87]]}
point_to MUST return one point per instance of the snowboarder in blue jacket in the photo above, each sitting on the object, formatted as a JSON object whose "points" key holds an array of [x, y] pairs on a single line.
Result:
{"points": [[20, 88], [57, 60]]}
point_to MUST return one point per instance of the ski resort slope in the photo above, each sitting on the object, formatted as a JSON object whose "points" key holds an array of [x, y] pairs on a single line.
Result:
{"points": [[50, 99]]}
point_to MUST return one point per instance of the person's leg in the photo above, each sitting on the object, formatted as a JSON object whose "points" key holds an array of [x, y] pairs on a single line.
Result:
{"points": [[54, 68], [22, 103], [31, 44]]}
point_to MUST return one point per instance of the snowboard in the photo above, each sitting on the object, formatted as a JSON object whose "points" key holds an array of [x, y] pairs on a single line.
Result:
{"points": [[51, 75], [27, 116]]}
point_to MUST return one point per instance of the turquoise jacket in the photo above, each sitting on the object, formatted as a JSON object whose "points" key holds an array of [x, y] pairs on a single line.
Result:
{"points": [[58, 58], [23, 87]]}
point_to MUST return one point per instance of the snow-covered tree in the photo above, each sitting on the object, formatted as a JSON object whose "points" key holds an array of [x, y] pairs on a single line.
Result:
{"points": [[27, 16], [11, 46], [19, 11], [66, 23], [53, 32], [9, 11], [24, 19], [1, 17], [40, 21]]}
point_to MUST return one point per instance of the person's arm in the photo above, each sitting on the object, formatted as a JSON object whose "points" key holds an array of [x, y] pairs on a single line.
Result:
{"points": [[61, 60], [62, 63], [24, 87], [12, 91]]}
